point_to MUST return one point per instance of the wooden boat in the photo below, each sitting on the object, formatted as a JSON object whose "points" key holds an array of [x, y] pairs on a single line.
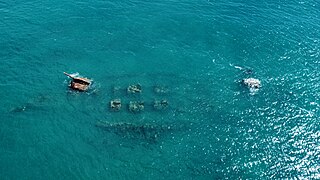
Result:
{"points": [[79, 83]]}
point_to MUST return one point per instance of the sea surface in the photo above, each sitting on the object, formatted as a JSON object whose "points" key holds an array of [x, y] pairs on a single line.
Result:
{"points": [[195, 52]]}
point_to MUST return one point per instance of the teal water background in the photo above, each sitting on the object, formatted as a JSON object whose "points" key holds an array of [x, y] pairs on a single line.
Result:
{"points": [[218, 130]]}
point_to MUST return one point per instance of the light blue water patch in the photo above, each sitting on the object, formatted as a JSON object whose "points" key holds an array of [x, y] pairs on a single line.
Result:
{"points": [[198, 51]]}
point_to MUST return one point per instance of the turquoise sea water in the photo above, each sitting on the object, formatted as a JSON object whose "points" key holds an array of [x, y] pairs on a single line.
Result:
{"points": [[213, 129]]}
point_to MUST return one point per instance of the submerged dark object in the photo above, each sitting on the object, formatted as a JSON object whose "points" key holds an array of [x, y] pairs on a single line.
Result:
{"points": [[248, 71], [79, 83], [35, 104], [160, 105], [115, 104], [19, 109], [135, 88], [147, 132], [136, 106]]}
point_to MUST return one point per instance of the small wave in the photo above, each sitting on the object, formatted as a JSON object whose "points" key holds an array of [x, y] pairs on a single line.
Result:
{"points": [[237, 67], [75, 74]]}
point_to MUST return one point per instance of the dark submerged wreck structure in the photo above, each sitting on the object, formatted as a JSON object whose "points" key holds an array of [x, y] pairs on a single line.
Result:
{"points": [[147, 132]]}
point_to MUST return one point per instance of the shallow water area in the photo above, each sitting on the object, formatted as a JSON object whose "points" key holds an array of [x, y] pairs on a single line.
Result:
{"points": [[191, 54]]}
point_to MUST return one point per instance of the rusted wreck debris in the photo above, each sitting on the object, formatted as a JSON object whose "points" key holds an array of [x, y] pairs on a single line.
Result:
{"points": [[160, 89], [160, 104], [79, 83], [115, 104], [134, 89], [136, 106]]}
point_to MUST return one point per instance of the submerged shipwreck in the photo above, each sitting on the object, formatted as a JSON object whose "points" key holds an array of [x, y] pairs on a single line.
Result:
{"points": [[134, 105], [79, 83], [138, 106], [147, 132]]}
